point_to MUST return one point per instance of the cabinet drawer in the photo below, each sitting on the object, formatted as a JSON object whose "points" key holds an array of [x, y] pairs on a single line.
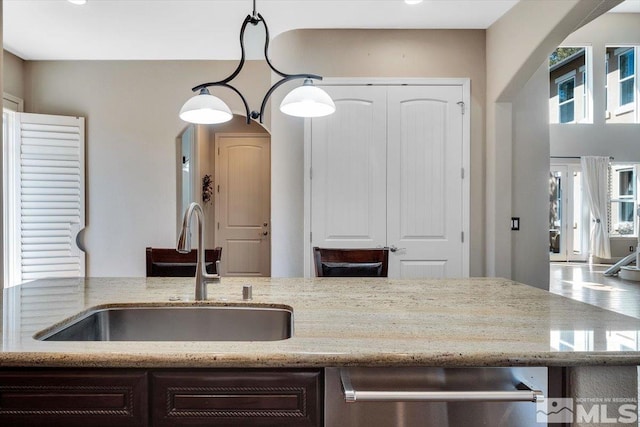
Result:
{"points": [[237, 397], [73, 398]]}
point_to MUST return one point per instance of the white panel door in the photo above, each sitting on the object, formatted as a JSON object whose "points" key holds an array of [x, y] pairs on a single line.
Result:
{"points": [[50, 195], [425, 184], [348, 158], [243, 204]]}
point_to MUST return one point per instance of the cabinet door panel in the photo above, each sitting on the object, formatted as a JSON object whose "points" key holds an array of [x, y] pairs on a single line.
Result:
{"points": [[425, 193], [237, 398], [348, 157], [73, 398]]}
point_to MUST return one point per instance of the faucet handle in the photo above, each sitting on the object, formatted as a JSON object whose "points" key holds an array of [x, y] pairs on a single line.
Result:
{"points": [[247, 293]]}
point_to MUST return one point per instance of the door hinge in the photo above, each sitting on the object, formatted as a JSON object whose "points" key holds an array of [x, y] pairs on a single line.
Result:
{"points": [[462, 106], [218, 188], [462, 237], [311, 236], [218, 226], [462, 173]]}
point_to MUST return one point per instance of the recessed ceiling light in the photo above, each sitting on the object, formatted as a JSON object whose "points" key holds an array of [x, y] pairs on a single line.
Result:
{"points": [[412, 1], [77, 1]]}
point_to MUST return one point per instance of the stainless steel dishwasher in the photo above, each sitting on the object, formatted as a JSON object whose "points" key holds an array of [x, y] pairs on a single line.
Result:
{"points": [[443, 397]]}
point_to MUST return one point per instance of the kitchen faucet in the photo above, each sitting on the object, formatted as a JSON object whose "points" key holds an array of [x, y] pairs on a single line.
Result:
{"points": [[184, 246]]}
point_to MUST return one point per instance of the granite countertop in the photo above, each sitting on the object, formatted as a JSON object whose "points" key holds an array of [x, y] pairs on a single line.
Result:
{"points": [[337, 322]]}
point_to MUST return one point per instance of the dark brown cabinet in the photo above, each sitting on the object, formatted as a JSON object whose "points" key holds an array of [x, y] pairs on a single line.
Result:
{"points": [[236, 398], [161, 398], [70, 398]]}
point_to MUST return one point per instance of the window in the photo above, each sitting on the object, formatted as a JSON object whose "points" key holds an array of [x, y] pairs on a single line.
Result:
{"points": [[606, 86], [570, 85], [585, 93], [622, 184], [566, 100], [621, 84], [626, 68]]}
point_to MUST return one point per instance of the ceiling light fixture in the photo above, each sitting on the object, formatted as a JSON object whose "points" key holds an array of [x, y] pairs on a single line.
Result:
{"points": [[413, 1], [78, 2], [304, 101]]}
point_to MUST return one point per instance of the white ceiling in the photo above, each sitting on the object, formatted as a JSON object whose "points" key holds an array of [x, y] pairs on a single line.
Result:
{"points": [[209, 29]]}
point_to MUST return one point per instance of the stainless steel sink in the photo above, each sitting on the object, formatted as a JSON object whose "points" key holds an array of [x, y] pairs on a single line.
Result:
{"points": [[175, 323]]}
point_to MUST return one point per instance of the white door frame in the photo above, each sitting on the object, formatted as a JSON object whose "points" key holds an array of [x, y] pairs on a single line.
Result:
{"points": [[565, 216], [466, 153], [570, 216]]}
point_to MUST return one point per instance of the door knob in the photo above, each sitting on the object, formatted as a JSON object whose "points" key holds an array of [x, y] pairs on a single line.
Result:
{"points": [[393, 248], [264, 233]]}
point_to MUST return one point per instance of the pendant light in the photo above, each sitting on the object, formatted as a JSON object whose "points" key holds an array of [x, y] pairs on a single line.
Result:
{"points": [[304, 101], [307, 101], [205, 109]]}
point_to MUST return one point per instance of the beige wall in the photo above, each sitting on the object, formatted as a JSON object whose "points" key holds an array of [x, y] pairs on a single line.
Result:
{"points": [[132, 122], [530, 245], [369, 53], [13, 74]]}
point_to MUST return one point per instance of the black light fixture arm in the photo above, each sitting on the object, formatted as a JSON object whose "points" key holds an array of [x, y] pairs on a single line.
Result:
{"points": [[244, 101], [254, 19], [235, 73], [266, 47]]}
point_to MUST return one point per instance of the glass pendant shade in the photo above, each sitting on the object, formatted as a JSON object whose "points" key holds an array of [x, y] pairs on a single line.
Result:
{"points": [[307, 101], [205, 109]]}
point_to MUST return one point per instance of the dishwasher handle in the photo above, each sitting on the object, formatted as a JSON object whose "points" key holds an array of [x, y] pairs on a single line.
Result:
{"points": [[522, 393]]}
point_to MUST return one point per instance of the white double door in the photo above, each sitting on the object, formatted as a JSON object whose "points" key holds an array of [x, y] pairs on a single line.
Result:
{"points": [[387, 170]]}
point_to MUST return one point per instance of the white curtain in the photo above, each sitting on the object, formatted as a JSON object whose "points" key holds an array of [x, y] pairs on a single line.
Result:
{"points": [[595, 172]]}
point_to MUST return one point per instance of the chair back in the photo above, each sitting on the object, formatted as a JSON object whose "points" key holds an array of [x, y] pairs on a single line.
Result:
{"points": [[163, 262], [351, 262]]}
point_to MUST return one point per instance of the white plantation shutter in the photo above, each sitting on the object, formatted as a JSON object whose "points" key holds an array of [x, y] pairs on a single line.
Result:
{"points": [[50, 195]]}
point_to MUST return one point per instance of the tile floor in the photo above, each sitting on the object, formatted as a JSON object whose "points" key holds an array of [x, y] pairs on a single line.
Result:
{"points": [[587, 283]]}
